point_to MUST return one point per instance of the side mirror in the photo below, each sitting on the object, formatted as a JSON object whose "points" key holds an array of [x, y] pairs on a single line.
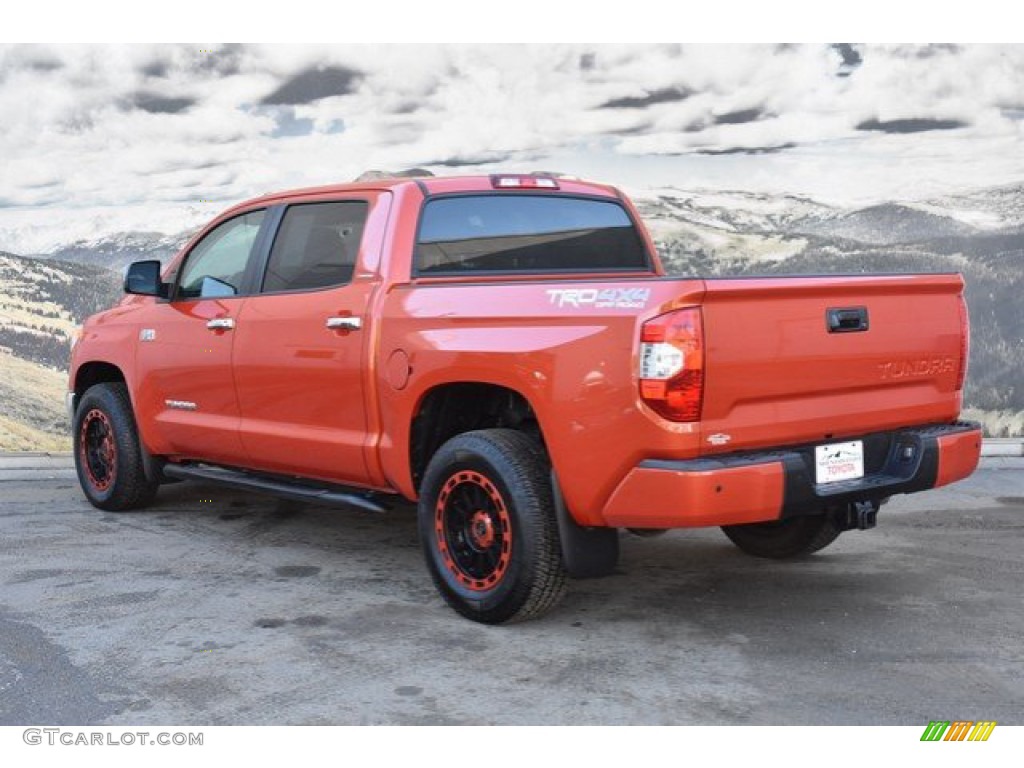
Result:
{"points": [[143, 278]]}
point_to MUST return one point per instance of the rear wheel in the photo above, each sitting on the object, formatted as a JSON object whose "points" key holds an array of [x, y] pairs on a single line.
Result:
{"points": [[107, 450], [648, 533], [488, 528], [782, 539]]}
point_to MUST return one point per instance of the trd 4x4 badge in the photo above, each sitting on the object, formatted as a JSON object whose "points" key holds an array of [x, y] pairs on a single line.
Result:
{"points": [[617, 298]]}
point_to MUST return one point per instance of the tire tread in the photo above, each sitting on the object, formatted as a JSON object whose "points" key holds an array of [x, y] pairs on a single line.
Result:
{"points": [[796, 537], [530, 476], [131, 488]]}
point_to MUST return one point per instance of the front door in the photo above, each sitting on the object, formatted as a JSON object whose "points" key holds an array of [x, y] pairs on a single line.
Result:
{"points": [[185, 346]]}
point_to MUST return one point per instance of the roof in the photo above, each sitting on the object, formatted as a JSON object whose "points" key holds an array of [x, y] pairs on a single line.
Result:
{"points": [[432, 185]]}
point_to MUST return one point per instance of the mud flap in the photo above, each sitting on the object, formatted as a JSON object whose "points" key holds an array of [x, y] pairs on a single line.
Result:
{"points": [[588, 553], [152, 466]]}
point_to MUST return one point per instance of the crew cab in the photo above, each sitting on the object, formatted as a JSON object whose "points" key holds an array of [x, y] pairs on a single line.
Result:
{"points": [[508, 352]]}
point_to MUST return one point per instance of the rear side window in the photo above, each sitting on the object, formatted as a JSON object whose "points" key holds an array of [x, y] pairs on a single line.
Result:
{"points": [[527, 233], [316, 246]]}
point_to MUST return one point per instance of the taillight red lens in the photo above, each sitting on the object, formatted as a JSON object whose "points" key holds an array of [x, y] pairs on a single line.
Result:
{"points": [[523, 181], [965, 344], [672, 364]]}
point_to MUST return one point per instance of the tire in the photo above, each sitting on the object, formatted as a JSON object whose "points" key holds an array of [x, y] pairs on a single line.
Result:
{"points": [[488, 529], [107, 453], [784, 539]]}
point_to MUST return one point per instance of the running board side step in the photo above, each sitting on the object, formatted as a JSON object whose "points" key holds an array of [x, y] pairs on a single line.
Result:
{"points": [[332, 495]]}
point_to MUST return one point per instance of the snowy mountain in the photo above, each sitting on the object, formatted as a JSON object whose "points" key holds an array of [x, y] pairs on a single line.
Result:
{"points": [[117, 251], [994, 208], [884, 224], [730, 211]]}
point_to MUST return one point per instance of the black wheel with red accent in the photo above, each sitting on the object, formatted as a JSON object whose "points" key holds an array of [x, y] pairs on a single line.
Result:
{"points": [[488, 528], [107, 450], [785, 539]]}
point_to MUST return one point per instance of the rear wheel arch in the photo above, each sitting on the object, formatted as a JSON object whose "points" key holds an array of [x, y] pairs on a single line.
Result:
{"points": [[450, 409]]}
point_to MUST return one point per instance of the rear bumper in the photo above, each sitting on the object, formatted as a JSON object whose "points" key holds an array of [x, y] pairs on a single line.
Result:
{"points": [[760, 486]]}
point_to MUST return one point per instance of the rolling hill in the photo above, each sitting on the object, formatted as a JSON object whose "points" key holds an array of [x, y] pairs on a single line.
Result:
{"points": [[41, 301]]}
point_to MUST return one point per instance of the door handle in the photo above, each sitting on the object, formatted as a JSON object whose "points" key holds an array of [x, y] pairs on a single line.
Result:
{"points": [[345, 323], [846, 319], [221, 324]]}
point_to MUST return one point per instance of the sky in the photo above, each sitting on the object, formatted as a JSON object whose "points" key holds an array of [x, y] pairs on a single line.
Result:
{"points": [[108, 138]]}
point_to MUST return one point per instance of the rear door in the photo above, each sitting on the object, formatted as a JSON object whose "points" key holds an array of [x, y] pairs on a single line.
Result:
{"points": [[301, 344], [804, 359]]}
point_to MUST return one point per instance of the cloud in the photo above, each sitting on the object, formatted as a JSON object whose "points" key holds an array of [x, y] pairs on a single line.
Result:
{"points": [[931, 50], [156, 68], [314, 84], [222, 60], [747, 150], [740, 116], [851, 58], [192, 61], [30, 58], [659, 96], [230, 122], [910, 125], [44, 63], [636, 129], [474, 160], [155, 103]]}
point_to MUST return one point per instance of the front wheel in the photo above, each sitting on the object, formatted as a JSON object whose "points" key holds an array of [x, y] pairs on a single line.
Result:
{"points": [[108, 456], [784, 539], [488, 527]]}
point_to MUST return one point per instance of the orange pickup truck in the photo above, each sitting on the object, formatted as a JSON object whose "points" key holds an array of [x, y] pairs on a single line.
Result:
{"points": [[508, 352]]}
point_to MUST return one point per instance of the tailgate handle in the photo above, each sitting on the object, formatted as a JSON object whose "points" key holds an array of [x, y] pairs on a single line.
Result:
{"points": [[846, 319]]}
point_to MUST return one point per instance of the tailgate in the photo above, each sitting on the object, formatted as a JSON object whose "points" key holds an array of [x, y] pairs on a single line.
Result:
{"points": [[808, 359]]}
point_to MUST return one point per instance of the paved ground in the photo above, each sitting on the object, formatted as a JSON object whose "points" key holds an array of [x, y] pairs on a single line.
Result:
{"points": [[218, 608]]}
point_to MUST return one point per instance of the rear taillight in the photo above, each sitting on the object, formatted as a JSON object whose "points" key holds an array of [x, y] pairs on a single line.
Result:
{"points": [[965, 344], [672, 364]]}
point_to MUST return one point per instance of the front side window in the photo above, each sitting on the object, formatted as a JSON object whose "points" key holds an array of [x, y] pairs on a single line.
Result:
{"points": [[527, 234], [316, 246], [216, 266]]}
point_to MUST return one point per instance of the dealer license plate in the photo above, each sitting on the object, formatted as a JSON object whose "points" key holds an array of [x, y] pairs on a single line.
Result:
{"points": [[839, 461]]}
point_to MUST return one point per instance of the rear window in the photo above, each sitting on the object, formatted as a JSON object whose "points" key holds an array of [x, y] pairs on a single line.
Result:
{"points": [[527, 233]]}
